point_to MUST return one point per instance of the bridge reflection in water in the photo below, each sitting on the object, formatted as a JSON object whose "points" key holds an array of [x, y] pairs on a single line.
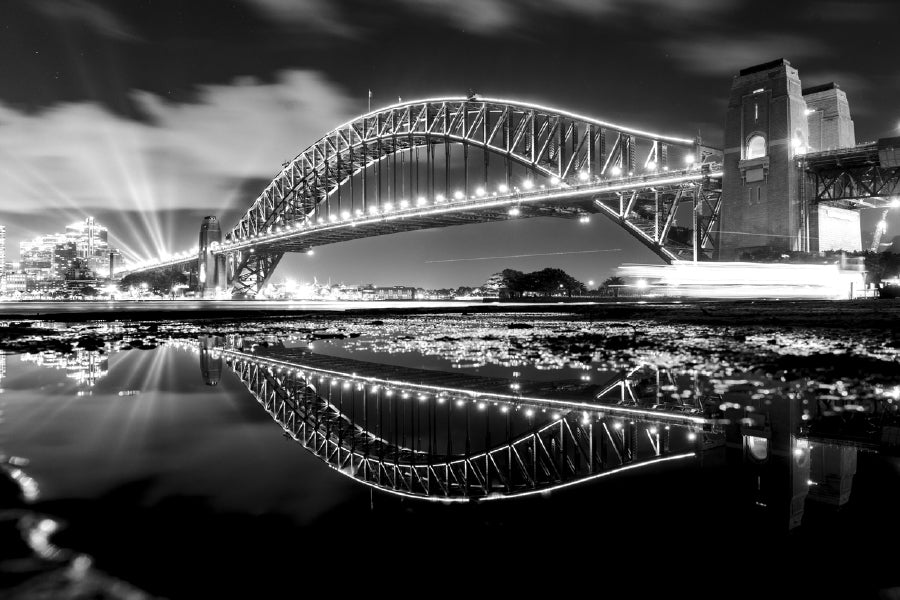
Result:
{"points": [[455, 437]]}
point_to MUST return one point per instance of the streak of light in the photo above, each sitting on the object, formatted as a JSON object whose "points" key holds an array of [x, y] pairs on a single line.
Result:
{"points": [[450, 260]]}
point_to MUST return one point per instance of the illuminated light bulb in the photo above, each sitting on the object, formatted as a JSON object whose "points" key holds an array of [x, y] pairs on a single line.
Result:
{"points": [[651, 166], [583, 176], [438, 198], [332, 218], [616, 170], [320, 220], [373, 210], [529, 413], [404, 203], [617, 426], [359, 212], [310, 252], [527, 184], [514, 212], [640, 284], [345, 215], [388, 207], [692, 436], [895, 203], [653, 430], [554, 180], [503, 188], [798, 452], [689, 159], [458, 195], [479, 192]]}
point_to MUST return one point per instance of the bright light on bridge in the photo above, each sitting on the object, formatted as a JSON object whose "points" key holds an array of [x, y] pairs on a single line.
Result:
{"points": [[527, 184]]}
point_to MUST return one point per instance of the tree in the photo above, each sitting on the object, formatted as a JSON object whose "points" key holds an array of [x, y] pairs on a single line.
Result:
{"points": [[159, 281], [611, 286]]}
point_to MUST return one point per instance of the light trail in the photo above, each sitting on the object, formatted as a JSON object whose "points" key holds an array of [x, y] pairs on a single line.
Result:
{"points": [[450, 260]]}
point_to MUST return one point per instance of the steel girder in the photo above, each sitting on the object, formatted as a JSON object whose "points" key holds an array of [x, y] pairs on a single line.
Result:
{"points": [[249, 271], [651, 215], [851, 177], [312, 408], [549, 142], [869, 185]]}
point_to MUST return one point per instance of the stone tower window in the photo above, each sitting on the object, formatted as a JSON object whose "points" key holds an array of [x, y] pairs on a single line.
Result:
{"points": [[756, 147]]}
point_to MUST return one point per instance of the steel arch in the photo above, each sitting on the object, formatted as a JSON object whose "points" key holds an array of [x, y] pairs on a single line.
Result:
{"points": [[550, 142]]}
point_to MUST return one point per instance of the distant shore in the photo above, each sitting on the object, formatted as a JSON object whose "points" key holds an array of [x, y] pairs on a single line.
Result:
{"points": [[807, 313]]}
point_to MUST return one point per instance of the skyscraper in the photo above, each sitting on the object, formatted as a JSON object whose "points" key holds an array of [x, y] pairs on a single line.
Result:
{"points": [[91, 243]]}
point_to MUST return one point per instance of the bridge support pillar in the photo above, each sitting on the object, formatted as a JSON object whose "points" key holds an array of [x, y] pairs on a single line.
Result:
{"points": [[768, 126], [212, 275]]}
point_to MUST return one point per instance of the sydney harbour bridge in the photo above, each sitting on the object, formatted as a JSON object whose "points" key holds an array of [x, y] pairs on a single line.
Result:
{"points": [[791, 177]]}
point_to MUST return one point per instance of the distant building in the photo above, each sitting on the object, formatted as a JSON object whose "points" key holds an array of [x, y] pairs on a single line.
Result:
{"points": [[395, 292], [16, 281], [37, 256], [91, 244], [65, 256]]}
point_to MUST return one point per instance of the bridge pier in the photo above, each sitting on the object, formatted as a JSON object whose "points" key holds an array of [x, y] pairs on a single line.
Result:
{"points": [[212, 276], [771, 122]]}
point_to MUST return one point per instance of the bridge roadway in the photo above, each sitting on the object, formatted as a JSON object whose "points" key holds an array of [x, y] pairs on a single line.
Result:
{"points": [[613, 198], [615, 398]]}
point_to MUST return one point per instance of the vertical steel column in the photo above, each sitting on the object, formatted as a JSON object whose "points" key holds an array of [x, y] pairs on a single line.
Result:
{"points": [[486, 121], [429, 148], [378, 161], [447, 168], [352, 172], [695, 238], [365, 167], [465, 109], [506, 141]]}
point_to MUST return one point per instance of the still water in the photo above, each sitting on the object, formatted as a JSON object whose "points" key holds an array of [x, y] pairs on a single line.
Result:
{"points": [[258, 458]]}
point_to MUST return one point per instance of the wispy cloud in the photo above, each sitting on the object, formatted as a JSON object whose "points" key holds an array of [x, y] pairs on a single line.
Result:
{"points": [[87, 13], [77, 158], [726, 55]]}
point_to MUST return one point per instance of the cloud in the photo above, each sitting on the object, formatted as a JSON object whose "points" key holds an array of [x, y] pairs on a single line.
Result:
{"points": [[77, 158], [490, 16], [86, 13], [727, 55], [319, 15]]}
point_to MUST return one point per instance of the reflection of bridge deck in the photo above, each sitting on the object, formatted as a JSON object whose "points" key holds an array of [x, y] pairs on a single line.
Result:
{"points": [[612, 397]]}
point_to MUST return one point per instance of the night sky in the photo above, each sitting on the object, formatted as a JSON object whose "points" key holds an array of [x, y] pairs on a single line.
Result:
{"points": [[151, 114]]}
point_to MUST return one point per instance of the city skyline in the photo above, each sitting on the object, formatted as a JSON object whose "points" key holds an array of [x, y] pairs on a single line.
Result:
{"points": [[129, 102]]}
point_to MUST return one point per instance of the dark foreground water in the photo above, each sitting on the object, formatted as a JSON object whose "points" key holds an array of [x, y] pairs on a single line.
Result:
{"points": [[456, 454]]}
